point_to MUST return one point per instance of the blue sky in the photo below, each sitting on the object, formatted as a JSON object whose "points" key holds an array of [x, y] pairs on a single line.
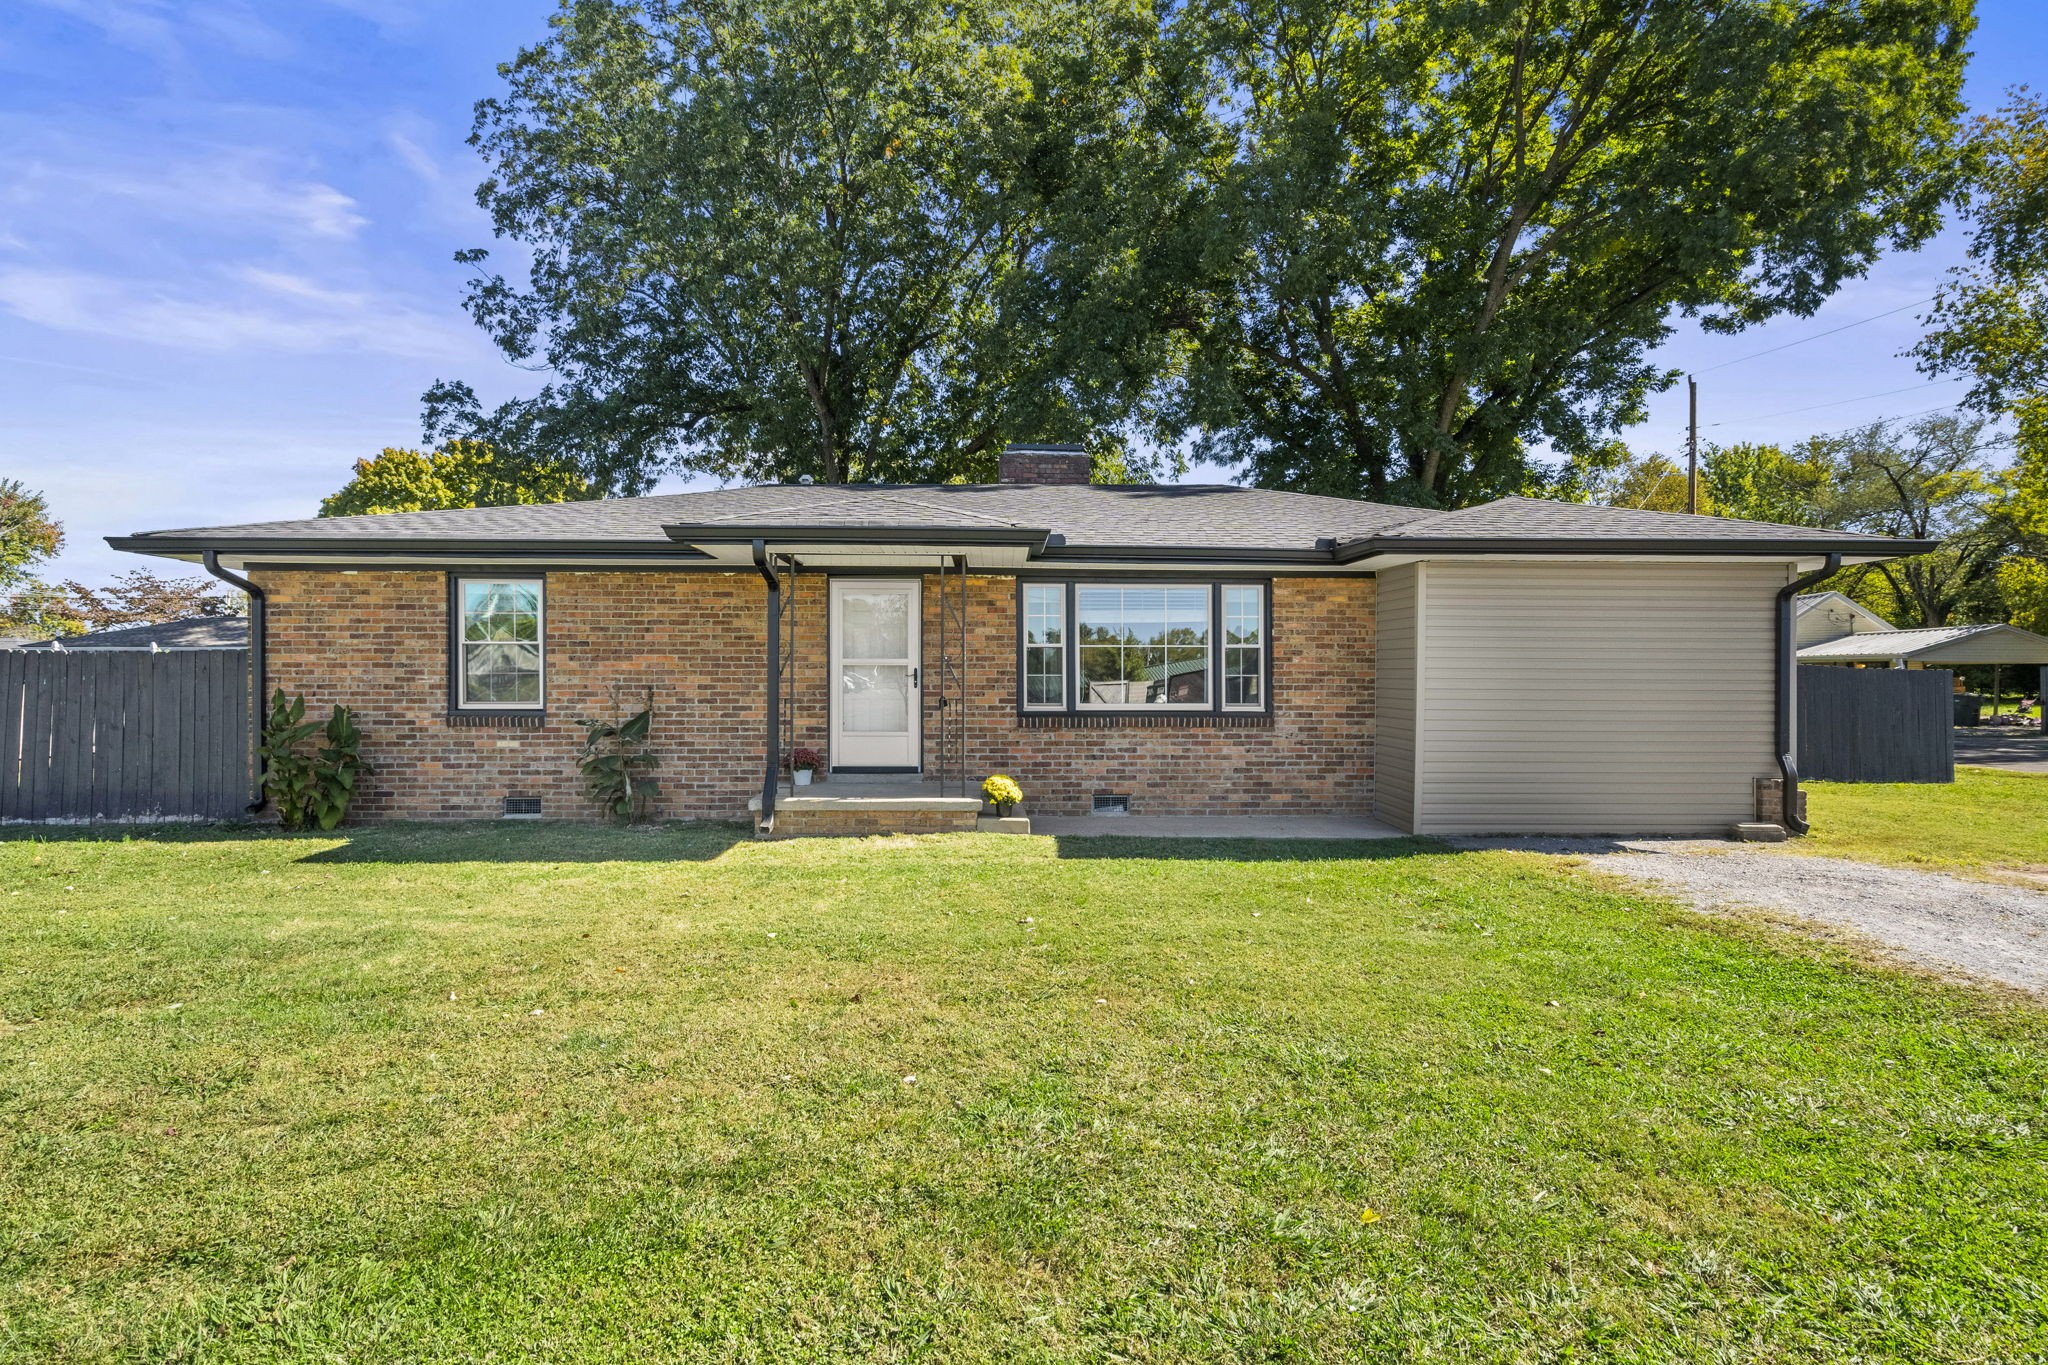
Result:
{"points": [[225, 241]]}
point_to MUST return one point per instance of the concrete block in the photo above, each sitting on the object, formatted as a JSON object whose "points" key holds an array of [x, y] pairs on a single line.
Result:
{"points": [[1003, 824], [1758, 832]]}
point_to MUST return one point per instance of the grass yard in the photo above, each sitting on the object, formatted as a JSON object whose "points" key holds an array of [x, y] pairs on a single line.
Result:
{"points": [[550, 1093], [1986, 820]]}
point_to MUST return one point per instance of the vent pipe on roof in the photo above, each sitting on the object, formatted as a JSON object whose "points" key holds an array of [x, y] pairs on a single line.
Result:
{"points": [[1044, 464]]}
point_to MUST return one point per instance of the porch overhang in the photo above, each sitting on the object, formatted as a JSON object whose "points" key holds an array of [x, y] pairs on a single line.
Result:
{"points": [[867, 547]]}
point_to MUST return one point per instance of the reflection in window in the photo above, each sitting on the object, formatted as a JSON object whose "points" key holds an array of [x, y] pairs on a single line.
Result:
{"points": [[498, 643], [1142, 646]]}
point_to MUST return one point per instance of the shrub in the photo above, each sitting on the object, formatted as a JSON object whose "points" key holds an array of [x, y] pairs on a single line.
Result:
{"points": [[805, 760], [315, 788], [1002, 793], [614, 761]]}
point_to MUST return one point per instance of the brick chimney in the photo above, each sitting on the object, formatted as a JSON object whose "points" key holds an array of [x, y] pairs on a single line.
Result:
{"points": [[1044, 464]]}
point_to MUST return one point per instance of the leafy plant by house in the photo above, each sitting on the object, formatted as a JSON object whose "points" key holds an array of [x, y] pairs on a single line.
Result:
{"points": [[1002, 793], [802, 760], [615, 761], [313, 788]]}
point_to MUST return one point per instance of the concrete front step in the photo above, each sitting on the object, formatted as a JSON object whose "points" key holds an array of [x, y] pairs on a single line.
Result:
{"points": [[851, 806]]}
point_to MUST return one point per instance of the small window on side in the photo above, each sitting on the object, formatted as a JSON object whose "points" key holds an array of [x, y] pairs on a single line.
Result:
{"points": [[1244, 647], [498, 644], [1045, 645]]}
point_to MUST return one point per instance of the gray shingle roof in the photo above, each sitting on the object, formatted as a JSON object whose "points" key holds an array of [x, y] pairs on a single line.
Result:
{"points": [[1536, 517], [194, 632], [1166, 517]]}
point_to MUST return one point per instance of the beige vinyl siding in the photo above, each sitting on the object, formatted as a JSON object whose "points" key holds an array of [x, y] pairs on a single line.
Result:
{"points": [[1593, 698], [1394, 750]]}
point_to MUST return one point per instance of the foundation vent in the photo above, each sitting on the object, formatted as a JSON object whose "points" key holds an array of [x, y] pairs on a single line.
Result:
{"points": [[522, 808], [1112, 803]]}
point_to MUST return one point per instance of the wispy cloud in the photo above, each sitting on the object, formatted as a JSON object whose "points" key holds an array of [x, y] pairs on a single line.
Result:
{"points": [[237, 309], [233, 189], [166, 33], [138, 25]]}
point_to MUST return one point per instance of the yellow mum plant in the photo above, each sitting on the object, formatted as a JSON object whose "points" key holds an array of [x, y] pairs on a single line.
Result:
{"points": [[1002, 793]]}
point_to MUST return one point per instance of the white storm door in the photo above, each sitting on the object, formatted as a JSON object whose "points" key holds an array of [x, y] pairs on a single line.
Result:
{"points": [[876, 708]]}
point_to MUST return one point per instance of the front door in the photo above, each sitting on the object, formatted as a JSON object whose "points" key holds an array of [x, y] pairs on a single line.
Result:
{"points": [[876, 711]]}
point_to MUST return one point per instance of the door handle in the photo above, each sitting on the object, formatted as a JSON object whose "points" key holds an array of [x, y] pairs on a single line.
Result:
{"points": [[916, 679]]}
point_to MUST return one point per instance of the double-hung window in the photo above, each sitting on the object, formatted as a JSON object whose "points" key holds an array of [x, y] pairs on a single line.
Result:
{"points": [[1143, 647], [498, 646]]}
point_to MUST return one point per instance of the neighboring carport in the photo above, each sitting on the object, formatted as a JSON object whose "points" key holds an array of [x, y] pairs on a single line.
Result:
{"points": [[2000, 647]]}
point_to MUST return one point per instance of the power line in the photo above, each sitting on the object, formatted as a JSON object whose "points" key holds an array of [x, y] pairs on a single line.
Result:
{"points": [[1837, 403], [1773, 350]]}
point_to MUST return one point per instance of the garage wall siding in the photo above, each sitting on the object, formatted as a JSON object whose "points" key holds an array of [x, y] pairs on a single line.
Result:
{"points": [[1394, 765], [1591, 698]]}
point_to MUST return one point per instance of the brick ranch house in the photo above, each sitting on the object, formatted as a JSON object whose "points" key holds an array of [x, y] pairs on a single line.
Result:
{"points": [[1521, 666]]}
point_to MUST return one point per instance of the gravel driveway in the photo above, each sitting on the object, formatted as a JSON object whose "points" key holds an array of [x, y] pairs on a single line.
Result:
{"points": [[1978, 928]]}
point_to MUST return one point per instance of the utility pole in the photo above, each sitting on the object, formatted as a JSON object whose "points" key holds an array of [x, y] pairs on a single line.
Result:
{"points": [[1692, 446]]}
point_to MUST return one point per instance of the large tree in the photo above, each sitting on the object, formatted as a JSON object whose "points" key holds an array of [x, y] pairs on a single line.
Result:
{"points": [[1990, 320], [1937, 478], [458, 474], [29, 536], [142, 597], [784, 238], [1445, 232]]}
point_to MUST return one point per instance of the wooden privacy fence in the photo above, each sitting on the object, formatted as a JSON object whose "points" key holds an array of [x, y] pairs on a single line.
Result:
{"points": [[123, 734], [1876, 724]]}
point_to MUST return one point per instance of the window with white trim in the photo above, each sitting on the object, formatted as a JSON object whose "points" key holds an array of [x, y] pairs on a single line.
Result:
{"points": [[1244, 647], [1045, 645], [1143, 647], [498, 644]]}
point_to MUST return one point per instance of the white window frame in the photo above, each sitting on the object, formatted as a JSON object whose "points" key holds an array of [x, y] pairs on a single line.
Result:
{"points": [[458, 658], [1024, 647], [1223, 647]]}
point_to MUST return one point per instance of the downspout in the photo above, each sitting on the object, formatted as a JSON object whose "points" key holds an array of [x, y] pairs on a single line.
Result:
{"points": [[772, 761], [1788, 662], [258, 620]]}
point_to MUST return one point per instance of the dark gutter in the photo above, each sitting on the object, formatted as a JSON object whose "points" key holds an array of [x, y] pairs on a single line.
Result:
{"points": [[258, 618], [1352, 551], [772, 764], [1032, 537], [1177, 554], [402, 545], [1788, 682]]}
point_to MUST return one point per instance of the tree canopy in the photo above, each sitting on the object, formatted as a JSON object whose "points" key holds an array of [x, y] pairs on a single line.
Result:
{"points": [[143, 597], [458, 474], [29, 536], [1454, 230], [788, 238], [1351, 246]]}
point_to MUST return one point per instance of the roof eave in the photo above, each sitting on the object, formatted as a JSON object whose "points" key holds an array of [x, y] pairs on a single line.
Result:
{"points": [[1032, 538], [419, 546], [1351, 552]]}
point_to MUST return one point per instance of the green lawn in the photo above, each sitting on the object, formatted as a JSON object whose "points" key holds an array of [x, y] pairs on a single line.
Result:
{"points": [[550, 1093], [1985, 820]]}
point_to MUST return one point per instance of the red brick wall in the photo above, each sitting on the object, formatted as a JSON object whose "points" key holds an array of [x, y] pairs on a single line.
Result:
{"points": [[377, 641], [1043, 466], [1315, 758]]}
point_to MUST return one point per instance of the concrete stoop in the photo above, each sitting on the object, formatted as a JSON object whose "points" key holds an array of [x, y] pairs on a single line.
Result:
{"points": [[855, 806]]}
